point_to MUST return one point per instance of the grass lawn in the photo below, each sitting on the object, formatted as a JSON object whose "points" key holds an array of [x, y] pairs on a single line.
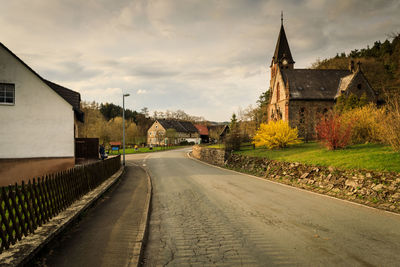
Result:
{"points": [[365, 156], [143, 150]]}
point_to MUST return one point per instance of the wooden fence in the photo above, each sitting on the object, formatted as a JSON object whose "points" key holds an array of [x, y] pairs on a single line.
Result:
{"points": [[25, 207], [86, 148]]}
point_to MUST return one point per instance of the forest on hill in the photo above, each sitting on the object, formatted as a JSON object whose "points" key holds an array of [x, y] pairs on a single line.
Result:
{"points": [[380, 63]]}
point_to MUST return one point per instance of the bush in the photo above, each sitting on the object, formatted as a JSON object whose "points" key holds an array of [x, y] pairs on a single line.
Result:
{"points": [[232, 141], [234, 138], [276, 134], [366, 124], [333, 131], [391, 123], [345, 103]]}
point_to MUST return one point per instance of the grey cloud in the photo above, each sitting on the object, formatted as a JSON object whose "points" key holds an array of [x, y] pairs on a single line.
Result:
{"points": [[206, 57], [71, 71]]}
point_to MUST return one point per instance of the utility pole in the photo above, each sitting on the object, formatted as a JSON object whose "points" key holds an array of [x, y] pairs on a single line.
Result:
{"points": [[123, 127]]}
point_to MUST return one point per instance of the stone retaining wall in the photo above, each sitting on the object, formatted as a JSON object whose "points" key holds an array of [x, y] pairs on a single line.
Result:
{"points": [[211, 155], [372, 188]]}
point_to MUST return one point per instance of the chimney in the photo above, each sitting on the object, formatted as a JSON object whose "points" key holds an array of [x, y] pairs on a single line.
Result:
{"points": [[351, 66]]}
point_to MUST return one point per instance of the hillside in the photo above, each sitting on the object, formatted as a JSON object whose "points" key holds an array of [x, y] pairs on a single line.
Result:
{"points": [[380, 63]]}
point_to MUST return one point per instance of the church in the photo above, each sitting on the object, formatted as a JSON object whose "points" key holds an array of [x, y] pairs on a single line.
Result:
{"points": [[301, 96]]}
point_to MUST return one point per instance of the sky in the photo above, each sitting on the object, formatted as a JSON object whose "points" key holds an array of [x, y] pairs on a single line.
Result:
{"points": [[208, 58]]}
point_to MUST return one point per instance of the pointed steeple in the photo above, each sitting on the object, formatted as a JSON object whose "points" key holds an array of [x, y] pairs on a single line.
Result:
{"points": [[282, 50]]}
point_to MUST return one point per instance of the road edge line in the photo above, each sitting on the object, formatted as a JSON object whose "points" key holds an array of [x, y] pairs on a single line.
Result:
{"points": [[301, 189]]}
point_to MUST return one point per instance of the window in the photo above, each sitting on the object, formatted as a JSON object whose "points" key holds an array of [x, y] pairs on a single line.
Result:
{"points": [[7, 93], [359, 86], [302, 115], [277, 93]]}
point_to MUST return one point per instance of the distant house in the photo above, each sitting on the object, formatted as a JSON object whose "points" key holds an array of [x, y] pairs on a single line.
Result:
{"points": [[166, 131], [38, 121], [203, 131]]}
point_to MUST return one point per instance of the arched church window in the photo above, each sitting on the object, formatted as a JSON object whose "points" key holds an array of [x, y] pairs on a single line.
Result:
{"points": [[302, 114], [277, 93]]}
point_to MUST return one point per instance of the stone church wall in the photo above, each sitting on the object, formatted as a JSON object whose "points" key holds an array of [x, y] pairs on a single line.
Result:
{"points": [[305, 114]]}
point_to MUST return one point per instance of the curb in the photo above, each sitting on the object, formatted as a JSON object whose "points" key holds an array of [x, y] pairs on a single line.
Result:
{"points": [[190, 156], [141, 238], [25, 250]]}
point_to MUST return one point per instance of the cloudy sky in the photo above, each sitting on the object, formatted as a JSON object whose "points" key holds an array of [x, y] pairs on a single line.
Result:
{"points": [[206, 57]]}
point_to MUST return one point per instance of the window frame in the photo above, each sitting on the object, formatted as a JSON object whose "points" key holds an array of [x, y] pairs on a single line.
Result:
{"points": [[5, 94]]}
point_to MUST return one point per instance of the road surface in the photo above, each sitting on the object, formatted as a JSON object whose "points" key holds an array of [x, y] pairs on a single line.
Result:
{"points": [[205, 216]]}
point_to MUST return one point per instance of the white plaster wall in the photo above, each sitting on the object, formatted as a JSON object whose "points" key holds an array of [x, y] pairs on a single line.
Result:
{"points": [[41, 123]]}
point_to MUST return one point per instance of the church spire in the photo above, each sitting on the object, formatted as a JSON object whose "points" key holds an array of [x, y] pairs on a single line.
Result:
{"points": [[282, 50]]}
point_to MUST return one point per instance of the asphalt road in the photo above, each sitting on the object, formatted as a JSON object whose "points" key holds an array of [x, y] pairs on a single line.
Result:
{"points": [[202, 215]]}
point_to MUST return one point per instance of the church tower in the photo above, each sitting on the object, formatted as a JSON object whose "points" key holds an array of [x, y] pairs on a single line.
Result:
{"points": [[282, 57]]}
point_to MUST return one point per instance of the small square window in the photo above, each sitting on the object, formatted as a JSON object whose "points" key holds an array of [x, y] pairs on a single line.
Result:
{"points": [[7, 93]]}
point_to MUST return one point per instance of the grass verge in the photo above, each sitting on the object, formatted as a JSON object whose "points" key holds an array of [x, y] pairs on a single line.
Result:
{"points": [[366, 156], [144, 150]]}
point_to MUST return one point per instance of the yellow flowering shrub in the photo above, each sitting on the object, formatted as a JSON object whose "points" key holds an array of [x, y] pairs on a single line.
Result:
{"points": [[276, 134]]}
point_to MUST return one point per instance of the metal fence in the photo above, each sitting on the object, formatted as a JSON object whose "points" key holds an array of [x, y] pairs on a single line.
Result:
{"points": [[25, 207]]}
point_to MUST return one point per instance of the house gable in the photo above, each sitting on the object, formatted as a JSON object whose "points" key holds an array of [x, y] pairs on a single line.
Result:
{"points": [[70, 96], [358, 85], [40, 123]]}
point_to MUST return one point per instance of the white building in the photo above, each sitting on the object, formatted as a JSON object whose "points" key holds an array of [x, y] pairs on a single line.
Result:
{"points": [[158, 134], [38, 122]]}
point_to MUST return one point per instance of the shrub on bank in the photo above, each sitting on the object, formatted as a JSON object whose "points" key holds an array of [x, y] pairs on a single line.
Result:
{"points": [[333, 131], [366, 124], [390, 133], [276, 134]]}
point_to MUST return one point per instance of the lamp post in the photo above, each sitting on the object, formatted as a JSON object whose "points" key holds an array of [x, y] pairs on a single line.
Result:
{"points": [[123, 127]]}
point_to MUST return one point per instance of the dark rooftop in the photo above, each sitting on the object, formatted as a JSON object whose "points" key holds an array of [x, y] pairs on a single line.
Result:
{"points": [[179, 126], [313, 84]]}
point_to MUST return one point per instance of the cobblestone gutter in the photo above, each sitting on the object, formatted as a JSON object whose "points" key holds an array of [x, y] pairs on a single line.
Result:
{"points": [[376, 189]]}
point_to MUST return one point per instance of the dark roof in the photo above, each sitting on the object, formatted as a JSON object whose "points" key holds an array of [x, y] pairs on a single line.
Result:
{"points": [[305, 84], [72, 97], [225, 130], [282, 49], [179, 126]]}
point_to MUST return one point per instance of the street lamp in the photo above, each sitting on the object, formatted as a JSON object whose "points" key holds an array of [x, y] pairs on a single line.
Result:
{"points": [[123, 126]]}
